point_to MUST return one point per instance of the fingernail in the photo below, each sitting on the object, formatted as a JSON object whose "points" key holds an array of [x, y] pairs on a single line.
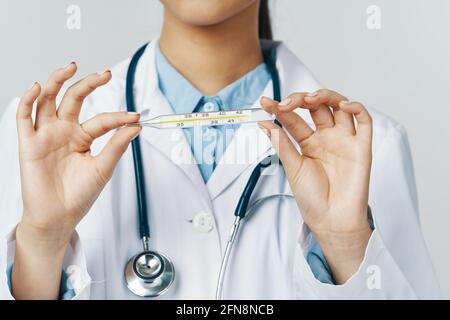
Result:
{"points": [[136, 135], [104, 72], [33, 85], [133, 113], [312, 94], [285, 102], [266, 132], [344, 103], [71, 63], [267, 98]]}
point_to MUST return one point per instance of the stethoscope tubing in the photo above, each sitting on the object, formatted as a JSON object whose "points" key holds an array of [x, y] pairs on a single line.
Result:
{"points": [[242, 206], [144, 228], [226, 256]]}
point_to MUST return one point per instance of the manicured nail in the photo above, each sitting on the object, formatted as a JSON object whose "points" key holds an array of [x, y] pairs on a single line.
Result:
{"points": [[133, 113], [266, 132], [267, 98], [285, 102], [136, 135], [312, 94], [33, 85], [70, 64], [344, 103]]}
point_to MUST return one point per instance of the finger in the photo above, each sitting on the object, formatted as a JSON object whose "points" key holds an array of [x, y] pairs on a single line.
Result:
{"points": [[293, 123], [324, 96], [269, 105], [332, 99], [362, 116], [107, 160], [105, 122], [320, 113], [290, 157], [46, 106], [72, 101], [344, 120], [24, 119]]}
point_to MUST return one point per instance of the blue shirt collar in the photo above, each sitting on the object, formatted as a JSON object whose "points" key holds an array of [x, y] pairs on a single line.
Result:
{"points": [[184, 97]]}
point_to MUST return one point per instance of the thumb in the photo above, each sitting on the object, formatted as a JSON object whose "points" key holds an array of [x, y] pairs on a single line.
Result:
{"points": [[289, 155], [114, 149]]}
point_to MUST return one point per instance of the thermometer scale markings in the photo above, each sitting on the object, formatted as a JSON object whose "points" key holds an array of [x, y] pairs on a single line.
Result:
{"points": [[215, 118], [225, 117]]}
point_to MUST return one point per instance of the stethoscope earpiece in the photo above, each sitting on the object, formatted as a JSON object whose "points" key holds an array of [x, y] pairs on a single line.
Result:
{"points": [[149, 274]]}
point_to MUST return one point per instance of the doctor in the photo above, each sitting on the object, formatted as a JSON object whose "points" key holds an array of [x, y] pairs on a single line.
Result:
{"points": [[69, 225]]}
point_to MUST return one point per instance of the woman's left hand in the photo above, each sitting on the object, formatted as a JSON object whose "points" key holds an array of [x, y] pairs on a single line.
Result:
{"points": [[330, 175]]}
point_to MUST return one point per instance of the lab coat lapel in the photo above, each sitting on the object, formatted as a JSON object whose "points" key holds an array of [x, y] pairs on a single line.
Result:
{"points": [[152, 103], [249, 147]]}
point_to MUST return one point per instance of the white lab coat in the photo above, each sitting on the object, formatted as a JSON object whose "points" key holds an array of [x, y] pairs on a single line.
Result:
{"points": [[268, 261]]}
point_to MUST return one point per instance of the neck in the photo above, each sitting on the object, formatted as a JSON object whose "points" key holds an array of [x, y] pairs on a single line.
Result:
{"points": [[212, 57]]}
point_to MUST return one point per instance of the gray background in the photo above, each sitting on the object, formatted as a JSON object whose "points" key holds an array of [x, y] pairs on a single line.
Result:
{"points": [[401, 69]]}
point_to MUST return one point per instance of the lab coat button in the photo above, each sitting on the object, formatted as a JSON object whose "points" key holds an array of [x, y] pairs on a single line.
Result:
{"points": [[203, 222]]}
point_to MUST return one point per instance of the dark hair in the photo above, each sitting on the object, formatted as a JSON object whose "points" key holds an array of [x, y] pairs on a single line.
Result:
{"points": [[265, 26]]}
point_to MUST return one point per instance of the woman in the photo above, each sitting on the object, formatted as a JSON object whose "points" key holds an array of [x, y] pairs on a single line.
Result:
{"points": [[310, 233]]}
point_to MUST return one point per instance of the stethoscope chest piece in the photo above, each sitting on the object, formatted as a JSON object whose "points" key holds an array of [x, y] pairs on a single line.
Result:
{"points": [[149, 274]]}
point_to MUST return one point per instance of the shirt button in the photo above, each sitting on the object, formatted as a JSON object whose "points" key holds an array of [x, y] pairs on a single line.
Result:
{"points": [[209, 106], [203, 222]]}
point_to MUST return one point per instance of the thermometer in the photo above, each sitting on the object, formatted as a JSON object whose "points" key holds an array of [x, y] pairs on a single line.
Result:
{"points": [[214, 118]]}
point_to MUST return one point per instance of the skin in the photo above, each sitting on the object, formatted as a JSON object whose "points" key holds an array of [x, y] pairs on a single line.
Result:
{"points": [[216, 39], [61, 180], [330, 178]]}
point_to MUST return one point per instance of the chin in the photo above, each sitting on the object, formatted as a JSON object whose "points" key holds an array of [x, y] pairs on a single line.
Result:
{"points": [[206, 12]]}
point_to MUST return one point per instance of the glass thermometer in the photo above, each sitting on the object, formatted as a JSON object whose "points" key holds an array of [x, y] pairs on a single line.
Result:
{"points": [[214, 118]]}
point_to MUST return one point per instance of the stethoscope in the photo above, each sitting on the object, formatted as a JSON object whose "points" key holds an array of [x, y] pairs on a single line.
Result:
{"points": [[150, 273]]}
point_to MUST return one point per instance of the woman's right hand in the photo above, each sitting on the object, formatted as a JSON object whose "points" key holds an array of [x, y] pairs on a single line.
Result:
{"points": [[60, 178]]}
